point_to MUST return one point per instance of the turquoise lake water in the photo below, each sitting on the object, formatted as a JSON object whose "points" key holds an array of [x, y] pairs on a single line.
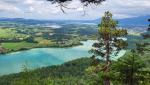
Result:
{"points": [[42, 57]]}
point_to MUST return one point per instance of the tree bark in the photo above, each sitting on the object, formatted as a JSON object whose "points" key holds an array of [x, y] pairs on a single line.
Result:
{"points": [[107, 79]]}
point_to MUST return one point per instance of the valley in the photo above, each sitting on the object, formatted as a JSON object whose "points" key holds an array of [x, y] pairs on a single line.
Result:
{"points": [[51, 47], [17, 37]]}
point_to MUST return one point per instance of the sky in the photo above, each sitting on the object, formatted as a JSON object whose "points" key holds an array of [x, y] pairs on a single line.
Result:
{"points": [[42, 9]]}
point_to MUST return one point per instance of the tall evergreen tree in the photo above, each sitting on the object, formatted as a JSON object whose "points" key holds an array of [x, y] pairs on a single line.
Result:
{"points": [[143, 46], [133, 68], [109, 43], [129, 69]]}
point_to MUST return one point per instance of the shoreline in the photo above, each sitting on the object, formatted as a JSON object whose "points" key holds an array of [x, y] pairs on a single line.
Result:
{"points": [[46, 46], [32, 69], [28, 48], [48, 61]]}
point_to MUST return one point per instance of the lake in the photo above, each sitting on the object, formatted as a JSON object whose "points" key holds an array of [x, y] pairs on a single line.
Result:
{"points": [[42, 57]]}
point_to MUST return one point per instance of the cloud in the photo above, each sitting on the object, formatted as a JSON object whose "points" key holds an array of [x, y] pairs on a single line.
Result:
{"points": [[80, 9], [9, 8], [42, 9], [31, 8], [127, 8]]}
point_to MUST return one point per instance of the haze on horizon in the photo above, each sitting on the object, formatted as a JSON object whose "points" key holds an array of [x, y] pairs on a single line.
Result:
{"points": [[42, 9]]}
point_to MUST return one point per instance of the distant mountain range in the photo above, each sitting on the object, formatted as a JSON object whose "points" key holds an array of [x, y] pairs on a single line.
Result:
{"points": [[141, 20], [135, 21], [24, 21]]}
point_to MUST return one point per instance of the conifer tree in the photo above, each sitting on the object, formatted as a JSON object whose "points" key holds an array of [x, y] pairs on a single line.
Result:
{"points": [[143, 46], [131, 68], [128, 69], [109, 43]]}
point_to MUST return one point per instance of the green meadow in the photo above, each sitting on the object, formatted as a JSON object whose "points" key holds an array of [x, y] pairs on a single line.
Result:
{"points": [[10, 33], [18, 45]]}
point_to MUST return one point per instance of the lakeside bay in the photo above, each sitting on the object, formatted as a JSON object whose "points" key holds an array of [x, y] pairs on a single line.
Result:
{"points": [[42, 57]]}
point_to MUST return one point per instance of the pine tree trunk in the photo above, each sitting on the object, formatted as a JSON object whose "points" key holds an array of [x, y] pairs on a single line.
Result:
{"points": [[107, 79]]}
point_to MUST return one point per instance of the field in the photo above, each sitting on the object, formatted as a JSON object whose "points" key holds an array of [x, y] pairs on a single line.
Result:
{"points": [[17, 37], [18, 45], [10, 33], [42, 41]]}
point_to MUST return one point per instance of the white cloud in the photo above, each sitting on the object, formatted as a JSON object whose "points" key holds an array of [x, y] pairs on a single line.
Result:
{"points": [[80, 9], [127, 8], [41, 9], [29, 1], [9, 8], [31, 8]]}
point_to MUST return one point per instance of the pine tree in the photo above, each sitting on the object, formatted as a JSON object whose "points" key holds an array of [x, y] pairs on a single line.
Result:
{"points": [[132, 68], [129, 69], [109, 41], [144, 46]]}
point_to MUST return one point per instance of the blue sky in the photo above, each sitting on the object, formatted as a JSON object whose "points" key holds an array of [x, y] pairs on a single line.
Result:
{"points": [[41, 9]]}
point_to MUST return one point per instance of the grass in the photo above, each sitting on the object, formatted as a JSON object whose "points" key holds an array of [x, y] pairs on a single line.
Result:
{"points": [[24, 44], [18, 45], [10, 33], [42, 41]]}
